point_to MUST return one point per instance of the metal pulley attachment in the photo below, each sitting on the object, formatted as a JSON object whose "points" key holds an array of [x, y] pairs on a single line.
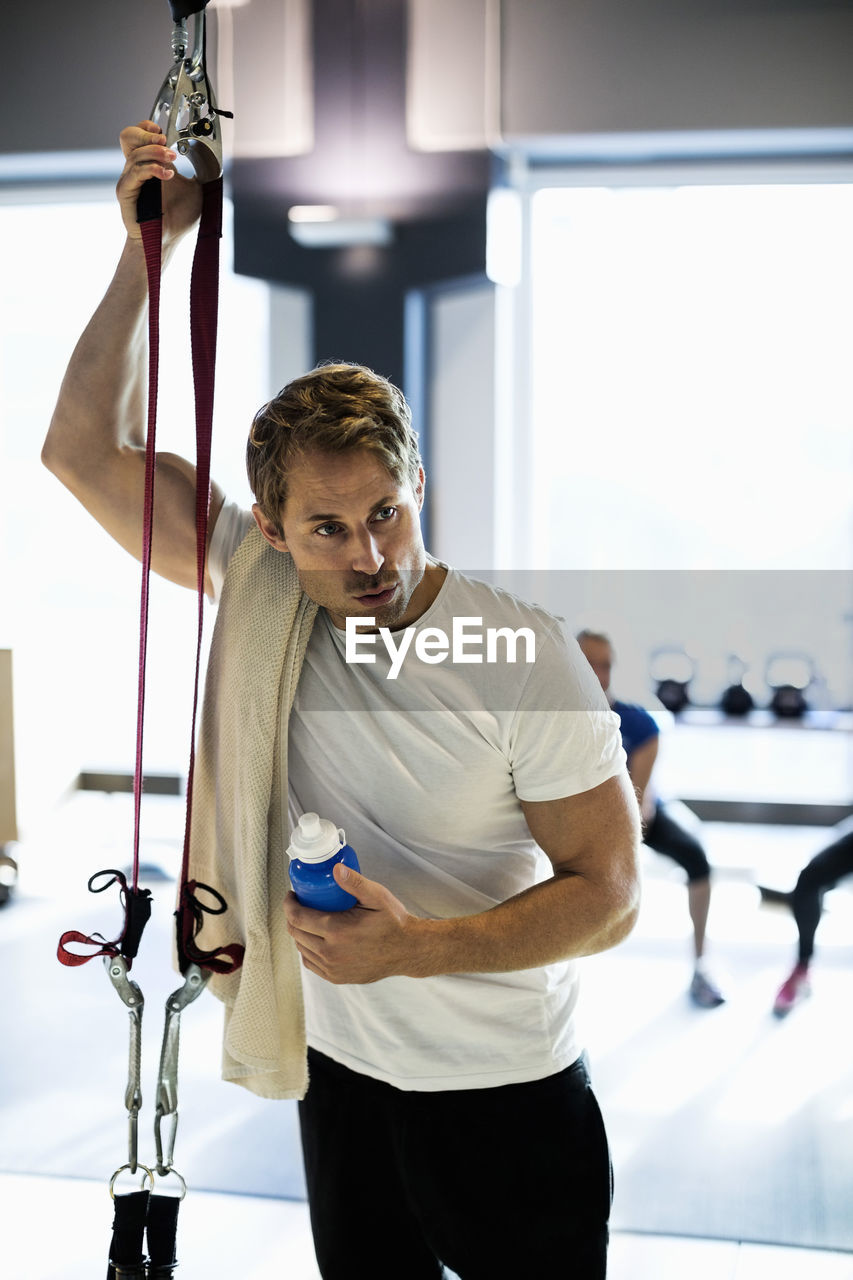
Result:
{"points": [[185, 108]]}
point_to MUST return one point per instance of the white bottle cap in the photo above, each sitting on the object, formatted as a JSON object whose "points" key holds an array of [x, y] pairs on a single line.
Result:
{"points": [[315, 838]]}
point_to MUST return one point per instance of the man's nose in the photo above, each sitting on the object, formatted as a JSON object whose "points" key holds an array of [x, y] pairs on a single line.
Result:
{"points": [[367, 558]]}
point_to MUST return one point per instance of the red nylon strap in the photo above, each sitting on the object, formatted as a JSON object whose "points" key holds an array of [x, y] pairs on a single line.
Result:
{"points": [[190, 917], [204, 309], [204, 305], [74, 958], [151, 232], [152, 243], [137, 911]]}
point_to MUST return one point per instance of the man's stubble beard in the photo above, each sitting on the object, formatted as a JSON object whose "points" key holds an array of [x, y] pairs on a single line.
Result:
{"points": [[388, 615]]}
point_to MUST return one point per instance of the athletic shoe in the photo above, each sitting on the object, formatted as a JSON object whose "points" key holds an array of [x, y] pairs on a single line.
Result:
{"points": [[703, 992], [794, 989]]}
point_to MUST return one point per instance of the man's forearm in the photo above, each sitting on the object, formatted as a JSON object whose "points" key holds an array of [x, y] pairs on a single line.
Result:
{"points": [[564, 917], [583, 908], [561, 918]]}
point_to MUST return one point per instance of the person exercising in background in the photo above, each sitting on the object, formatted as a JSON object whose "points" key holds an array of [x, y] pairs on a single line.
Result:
{"points": [[821, 873], [640, 735]]}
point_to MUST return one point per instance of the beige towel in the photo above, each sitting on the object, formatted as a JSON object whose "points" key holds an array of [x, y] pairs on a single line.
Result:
{"points": [[239, 822]]}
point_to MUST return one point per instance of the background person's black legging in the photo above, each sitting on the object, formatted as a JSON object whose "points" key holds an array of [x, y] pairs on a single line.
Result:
{"points": [[664, 835], [822, 873]]}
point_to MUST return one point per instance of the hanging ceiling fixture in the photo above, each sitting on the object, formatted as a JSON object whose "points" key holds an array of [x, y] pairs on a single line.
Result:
{"points": [[324, 226]]}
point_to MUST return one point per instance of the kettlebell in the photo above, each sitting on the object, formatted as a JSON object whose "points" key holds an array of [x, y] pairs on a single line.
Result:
{"points": [[671, 669], [789, 676], [736, 700]]}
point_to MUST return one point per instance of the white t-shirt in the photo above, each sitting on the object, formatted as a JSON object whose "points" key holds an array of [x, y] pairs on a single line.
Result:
{"points": [[424, 772]]}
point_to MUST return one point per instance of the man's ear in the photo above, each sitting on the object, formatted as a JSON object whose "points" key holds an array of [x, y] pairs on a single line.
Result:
{"points": [[268, 529], [419, 488]]}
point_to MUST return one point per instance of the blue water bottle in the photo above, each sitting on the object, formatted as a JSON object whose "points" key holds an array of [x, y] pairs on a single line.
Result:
{"points": [[315, 846]]}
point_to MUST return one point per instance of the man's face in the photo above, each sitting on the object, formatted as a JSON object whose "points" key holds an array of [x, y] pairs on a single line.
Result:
{"points": [[355, 538], [599, 655]]}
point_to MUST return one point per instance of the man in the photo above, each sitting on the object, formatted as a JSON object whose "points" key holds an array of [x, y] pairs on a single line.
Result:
{"points": [[661, 832], [490, 810]]}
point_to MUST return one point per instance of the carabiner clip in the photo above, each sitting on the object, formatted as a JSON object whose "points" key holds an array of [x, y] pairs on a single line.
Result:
{"points": [[132, 998], [185, 108], [195, 980]]}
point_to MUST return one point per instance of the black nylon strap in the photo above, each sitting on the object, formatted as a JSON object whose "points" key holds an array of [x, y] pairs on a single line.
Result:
{"points": [[149, 202], [127, 1261], [161, 1235]]}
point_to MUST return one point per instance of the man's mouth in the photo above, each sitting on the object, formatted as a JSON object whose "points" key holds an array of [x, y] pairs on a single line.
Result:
{"points": [[379, 597]]}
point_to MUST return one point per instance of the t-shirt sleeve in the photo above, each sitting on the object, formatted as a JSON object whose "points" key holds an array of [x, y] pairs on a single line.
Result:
{"points": [[565, 738], [232, 525]]}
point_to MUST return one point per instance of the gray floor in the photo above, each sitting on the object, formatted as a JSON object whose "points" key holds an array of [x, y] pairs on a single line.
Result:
{"points": [[666, 1075], [225, 1237], [727, 1123]]}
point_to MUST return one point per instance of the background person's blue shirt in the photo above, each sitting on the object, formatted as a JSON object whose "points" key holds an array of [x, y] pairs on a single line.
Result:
{"points": [[636, 725]]}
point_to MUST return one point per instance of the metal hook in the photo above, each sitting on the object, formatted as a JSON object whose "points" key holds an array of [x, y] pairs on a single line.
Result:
{"points": [[195, 980], [131, 996]]}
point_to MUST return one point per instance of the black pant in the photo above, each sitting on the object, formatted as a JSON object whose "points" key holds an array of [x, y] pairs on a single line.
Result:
{"points": [[823, 872], [513, 1181], [666, 836]]}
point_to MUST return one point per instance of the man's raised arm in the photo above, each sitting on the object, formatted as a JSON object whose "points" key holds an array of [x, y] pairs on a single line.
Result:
{"points": [[96, 441]]}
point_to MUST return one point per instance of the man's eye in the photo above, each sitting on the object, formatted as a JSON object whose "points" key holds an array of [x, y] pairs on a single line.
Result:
{"points": [[327, 530], [385, 513]]}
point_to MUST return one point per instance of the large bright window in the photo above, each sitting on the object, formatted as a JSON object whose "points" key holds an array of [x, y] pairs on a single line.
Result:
{"points": [[674, 453], [690, 377]]}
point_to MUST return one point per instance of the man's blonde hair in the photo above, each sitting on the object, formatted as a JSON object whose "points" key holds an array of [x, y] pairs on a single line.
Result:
{"points": [[334, 408]]}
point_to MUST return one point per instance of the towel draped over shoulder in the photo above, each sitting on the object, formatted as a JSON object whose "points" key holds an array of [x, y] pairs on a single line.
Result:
{"points": [[239, 817]]}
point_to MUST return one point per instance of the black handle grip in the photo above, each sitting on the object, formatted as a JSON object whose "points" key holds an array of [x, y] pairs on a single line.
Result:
{"points": [[149, 202]]}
